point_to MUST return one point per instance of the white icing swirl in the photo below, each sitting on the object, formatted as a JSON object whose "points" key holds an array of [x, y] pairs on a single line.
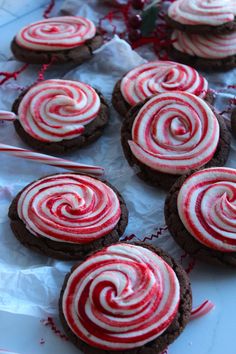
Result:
{"points": [[207, 207], [54, 110], [69, 208], [174, 133], [121, 297], [56, 33], [203, 12], [209, 46], [161, 76]]}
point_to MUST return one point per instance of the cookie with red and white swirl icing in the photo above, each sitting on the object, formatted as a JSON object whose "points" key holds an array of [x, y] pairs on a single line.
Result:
{"points": [[207, 207], [174, 133], [201, 16], [66, 215], [171, 134], [64, 38], [209, 46], [124, 297], [54, 114], [200, 214], [156, 77], [56, 33], [208, 51]]}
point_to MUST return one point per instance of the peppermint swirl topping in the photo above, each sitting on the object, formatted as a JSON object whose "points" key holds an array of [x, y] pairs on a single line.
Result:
{"points": [[56, 33], [174, 133], [69, 208], [207, 207], [121, 297], [210, 46], [161, 76], [199, 12], [54, 110]]}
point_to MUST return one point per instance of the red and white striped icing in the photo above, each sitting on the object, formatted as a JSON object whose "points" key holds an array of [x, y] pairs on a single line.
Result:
{"points": [[207, 207], [209, 46], [199, 12], [54, 110], [121, 298], [56, 33], [69, 208], [161, 76], [174, 133]]}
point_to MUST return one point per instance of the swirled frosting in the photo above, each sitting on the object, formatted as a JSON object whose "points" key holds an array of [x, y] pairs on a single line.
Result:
{"points": [[174, 133], [161, 76], [69, 208], [56, 33], [121, 297], [207, 207], [199, 12], [209, 46], [54, 110]]}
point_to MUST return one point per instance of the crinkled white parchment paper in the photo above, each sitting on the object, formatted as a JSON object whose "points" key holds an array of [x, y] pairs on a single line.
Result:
{"points": [[30, 283]]}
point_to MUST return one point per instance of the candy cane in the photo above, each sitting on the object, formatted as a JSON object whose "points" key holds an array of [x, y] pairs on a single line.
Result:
{"points": [[202, 309], [51, 160], [6, 115]]}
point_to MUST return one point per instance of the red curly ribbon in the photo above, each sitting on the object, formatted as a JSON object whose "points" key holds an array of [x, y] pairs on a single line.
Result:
{"points": [[12, 75], [43, 69], [51, 324], [159, 232], [49, 9]]}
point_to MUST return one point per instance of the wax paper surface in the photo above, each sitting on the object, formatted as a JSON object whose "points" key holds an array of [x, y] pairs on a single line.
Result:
{"points": [[30, 283]]}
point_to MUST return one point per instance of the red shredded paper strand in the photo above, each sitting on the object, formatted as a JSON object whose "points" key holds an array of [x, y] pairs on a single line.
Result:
{"points": [[49, 9]]}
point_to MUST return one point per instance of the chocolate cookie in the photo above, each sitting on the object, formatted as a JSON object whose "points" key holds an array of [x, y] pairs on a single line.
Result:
{"points": [[65, 39], [154, 346], [54, 232], [183, 237], [45, 132], [203, 63], [158, 178], [202, 17], [208, 52], [233, 122], [76, 55]]}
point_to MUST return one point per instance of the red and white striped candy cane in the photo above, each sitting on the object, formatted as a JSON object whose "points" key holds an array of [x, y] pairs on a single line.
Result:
{"points": [[51, 160], [202, 309], [7, 115]]}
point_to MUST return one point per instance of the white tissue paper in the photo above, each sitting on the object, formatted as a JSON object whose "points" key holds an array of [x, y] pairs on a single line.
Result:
{"points": [[29, 283]]}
